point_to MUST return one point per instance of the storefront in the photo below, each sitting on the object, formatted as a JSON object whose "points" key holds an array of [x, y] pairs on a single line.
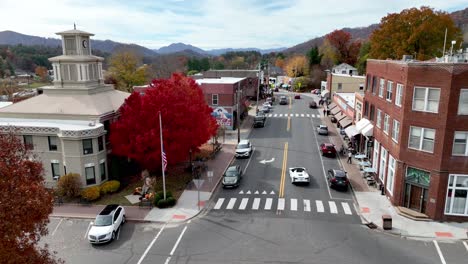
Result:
{"points": [[456, 202], [417, 184]]}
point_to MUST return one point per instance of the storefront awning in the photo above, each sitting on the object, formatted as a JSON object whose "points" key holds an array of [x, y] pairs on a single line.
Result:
{"points": [[345, 122], [368, 130], [340, 116], [335, 111], [324, 93], [361, 124], [351, 131], [331, 106]]}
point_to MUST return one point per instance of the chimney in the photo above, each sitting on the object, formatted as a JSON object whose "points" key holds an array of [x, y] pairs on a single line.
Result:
{"points": [[407, 57]]}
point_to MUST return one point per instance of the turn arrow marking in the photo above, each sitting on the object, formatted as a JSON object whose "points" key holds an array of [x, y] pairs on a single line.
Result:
{"points": [[267, 161]]}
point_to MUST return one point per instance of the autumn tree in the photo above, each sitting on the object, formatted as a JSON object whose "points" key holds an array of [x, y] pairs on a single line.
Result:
{"points": [[279, 62], [186, 120], [127, 70], [297, 66], [314, 56], [345, 49], [42, 72], [25, 205], [362, 58], [417, 32]]}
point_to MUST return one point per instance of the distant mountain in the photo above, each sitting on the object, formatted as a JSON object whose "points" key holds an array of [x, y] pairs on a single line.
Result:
{"points": [[15, 38], [461, 20], [217, 52], [178, 47]]}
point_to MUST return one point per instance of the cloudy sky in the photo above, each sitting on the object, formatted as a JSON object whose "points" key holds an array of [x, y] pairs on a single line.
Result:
{"points": [[206, 24]]}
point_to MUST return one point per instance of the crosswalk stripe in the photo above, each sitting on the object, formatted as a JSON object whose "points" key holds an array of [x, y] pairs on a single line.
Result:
{"points": [[219, 203], [297, 115], [293, 204], [313, 115], [275, 115], [308, 115], [302, 115], [319, 205], [268, 203], [231, 203], [281, 115], [333, 208], [256, 204], [243, 204], [269, 115], [306, 205], [346, 208], [281, 204]]}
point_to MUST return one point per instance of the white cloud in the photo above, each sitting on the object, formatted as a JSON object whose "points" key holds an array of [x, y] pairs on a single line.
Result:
{"points": [[204, 23]]}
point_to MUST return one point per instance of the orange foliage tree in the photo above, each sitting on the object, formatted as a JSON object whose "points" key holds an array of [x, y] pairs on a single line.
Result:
{"points": [[297, 66], [25, 205], [418, 32], [345, 49]]}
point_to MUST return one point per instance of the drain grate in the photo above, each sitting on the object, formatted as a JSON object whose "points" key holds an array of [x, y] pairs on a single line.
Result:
{"points": [[371, 225]]}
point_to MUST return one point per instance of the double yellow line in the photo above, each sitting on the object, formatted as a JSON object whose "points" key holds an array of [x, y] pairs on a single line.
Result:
{"points": [[283, 171]]}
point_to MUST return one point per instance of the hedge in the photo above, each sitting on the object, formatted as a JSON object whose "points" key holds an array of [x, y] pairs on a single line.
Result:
{"points": [[161, 203], [110, 187], [69, 185], [91, 193]]}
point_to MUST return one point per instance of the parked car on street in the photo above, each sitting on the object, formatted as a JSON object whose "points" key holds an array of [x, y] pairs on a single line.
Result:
{"points": [[315, 91], [283, 100], [328, 149], [312, 104], [297, 96], [267, 104], [107, 224], [232, 176], [259, 121], [243, 149], [322, 130], [265, 109], [299, 175], [337, 179]]}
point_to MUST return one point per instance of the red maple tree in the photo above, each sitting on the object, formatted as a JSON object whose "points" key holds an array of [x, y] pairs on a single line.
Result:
{"points": [[186, 120], [25, 205], [347, 50]]}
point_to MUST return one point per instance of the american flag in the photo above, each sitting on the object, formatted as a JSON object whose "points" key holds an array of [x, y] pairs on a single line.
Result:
{"points": [[164, 159]]}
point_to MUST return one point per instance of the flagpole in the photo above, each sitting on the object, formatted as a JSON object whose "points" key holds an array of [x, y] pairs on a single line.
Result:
{"points": [[162, 160]]}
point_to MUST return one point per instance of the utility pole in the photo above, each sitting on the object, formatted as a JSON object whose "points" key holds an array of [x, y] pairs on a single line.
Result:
{"points": [[258, 89], [238, 114]]}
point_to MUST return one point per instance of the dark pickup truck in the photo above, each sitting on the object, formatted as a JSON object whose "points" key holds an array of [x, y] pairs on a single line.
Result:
{"points": [[259, 121]]}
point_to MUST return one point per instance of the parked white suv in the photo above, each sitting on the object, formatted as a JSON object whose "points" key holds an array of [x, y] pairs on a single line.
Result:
{"points": [[243, 149], [107, 224]]}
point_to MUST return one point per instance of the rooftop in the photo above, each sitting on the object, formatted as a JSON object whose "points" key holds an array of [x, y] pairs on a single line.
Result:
{"points": [[69, 125], [348, 75], [222, 80], [348, 97]]}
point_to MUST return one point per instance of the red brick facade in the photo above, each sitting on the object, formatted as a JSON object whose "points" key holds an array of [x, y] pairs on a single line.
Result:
{"points": [[439, 163]]}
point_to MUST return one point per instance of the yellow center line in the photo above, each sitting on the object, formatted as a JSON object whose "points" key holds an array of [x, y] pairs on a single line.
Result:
{"points": [[283, 171], [289, 124], [290, 102]]}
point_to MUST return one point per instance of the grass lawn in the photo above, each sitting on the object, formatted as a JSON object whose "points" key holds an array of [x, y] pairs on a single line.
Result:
{"points": [[37, 85], [119, 197]]}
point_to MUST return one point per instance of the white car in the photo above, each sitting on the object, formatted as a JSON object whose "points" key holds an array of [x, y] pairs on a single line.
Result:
{"points": [[107, 224], [267, 104], [243, 149], [299, 174]]}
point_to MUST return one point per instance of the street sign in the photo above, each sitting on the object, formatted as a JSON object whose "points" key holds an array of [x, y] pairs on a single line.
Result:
{"points": [[209, 174], [198, 183]]}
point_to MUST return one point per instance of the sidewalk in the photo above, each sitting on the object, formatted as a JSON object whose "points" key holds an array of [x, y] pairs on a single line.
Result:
{"points": [[193, 199], [372, 205]]}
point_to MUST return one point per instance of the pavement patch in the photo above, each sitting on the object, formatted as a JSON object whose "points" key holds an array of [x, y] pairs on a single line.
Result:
{"points": [[443, 234], [179, 216], [365, 210]]}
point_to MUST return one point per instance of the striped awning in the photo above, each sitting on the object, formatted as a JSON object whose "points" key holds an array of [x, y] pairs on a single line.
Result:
{"points": [[340, 116], [331, 106], [335, 110], [345, 122]]}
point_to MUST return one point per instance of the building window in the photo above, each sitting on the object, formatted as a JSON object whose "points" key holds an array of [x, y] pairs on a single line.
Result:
{"points": [[374, 84], [90, 176], [389, 91], [55, 170], [426, 99], [102, 170], [390, 173], [372, 110], [463, 104], [28, 142], [340, 86], [53, 143], [100, 141], [386, 124], [375, 160], [399, 94], [87, 146], [422, 139], [381, 87], [361, 87], [460, 144], [214, 99], [366, 109], [456, 202], [383, 162], [395, 130], [379, 118], [369, 81]]}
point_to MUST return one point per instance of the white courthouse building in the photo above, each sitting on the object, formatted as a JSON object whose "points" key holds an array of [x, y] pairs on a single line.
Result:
{"points": [[67, 126]]}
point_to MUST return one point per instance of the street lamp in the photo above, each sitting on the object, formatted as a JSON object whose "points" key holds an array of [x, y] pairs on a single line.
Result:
{"points": [[238, 114], [258, 90], [329, 84]]}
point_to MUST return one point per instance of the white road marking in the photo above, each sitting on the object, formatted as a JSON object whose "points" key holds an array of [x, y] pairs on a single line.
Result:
{"points": [[306, 205], [248, 192], [333, 208], [219, 203], [313, 115], [250, 158], [308, 115], [272, 192], [243, 204], [231, 203], [269, 115], [281, 115], [256, 204], [150, 245], [87, 230], [281, 204], [256, 192], [58, 226], [466, 245], [346, 208], [275, 115], [442, 259], [178, 241], [293, 204], [268, 203], [297, 115], [302, 115], [241, 192], [319, 205], [264, 192], [167, 260]]}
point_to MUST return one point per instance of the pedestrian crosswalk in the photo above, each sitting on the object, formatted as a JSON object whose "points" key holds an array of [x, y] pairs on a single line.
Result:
{"points": [[283, 204], [294, 115]]}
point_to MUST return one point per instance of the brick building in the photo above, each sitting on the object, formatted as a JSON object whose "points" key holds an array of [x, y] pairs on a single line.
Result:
{"points": [[419, 111]]}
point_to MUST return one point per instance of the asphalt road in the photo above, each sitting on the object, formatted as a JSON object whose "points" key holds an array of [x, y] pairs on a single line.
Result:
{"points": [[266, 219]]}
